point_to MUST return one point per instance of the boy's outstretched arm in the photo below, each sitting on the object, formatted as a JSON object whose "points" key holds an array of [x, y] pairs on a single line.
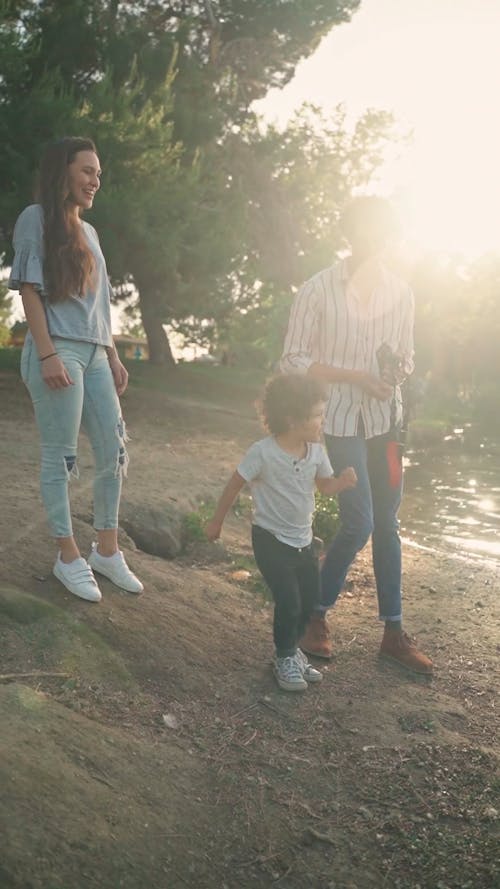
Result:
{"points": [[331, 486], [227, 498]]}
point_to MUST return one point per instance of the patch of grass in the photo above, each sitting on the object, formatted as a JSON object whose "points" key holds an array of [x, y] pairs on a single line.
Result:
{"points": [[24, 609], [416, 722], [55, 636], [223, 385], [193, 523], [10, 358], [228, 386], [242, 506]]}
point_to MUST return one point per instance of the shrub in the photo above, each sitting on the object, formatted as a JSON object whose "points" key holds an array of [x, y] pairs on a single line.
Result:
{"points": [[326, 518]]}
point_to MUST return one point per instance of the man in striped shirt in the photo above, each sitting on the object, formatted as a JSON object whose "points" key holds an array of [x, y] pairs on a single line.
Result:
{"points": [[351, 326]]}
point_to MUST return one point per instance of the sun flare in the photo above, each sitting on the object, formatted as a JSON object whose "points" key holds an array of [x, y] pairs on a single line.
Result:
{"points": [[436, 67]]}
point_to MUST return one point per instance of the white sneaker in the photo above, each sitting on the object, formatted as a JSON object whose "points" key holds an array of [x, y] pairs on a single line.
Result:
{"points": [[288, 674], [309, 672], [78, 578], [116, 570]]}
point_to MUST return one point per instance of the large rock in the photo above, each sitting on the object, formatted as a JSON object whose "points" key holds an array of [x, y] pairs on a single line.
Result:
{"points": [[154, 530]]}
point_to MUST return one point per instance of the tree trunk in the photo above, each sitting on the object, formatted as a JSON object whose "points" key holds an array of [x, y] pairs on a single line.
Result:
{"points": [[158, 344]]}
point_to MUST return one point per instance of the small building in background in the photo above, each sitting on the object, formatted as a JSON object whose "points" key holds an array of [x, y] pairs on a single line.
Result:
{"points": [[131, 347]]}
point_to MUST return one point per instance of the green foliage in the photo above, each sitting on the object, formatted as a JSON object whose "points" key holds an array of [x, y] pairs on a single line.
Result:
{"points": [[457, 336], [242, 506], [193, 523], [326, 518], [131, 323], [218, 384], [164, 90], [210, 218], [298, 180], [10, 359], [5, 312], [293, 186], [192, 528]]}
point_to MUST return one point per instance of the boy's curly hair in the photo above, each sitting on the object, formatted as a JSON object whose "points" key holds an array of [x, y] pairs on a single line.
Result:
{"points": [[289, 398]]}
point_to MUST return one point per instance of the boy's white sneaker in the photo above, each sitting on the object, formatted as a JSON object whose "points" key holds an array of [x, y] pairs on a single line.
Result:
{"points": [[309, 672], [116, 570], [288, 674], [78, 578]]}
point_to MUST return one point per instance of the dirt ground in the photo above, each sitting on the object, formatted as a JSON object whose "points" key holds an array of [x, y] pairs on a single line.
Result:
{"points": [[143, 742]]}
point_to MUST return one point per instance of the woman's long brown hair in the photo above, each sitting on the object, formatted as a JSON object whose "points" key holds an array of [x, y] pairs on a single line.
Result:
{"points": [[69, 264]]}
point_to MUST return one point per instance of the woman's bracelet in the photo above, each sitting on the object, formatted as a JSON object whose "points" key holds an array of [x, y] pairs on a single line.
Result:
{"points": [[48, 356]]}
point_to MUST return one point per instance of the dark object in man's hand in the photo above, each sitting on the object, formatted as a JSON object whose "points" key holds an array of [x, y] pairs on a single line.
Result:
{"points": [[390, 365]]}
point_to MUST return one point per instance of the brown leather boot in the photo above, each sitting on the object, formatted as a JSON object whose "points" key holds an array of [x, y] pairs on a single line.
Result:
{"points": [[316, 639], [398, 646]]}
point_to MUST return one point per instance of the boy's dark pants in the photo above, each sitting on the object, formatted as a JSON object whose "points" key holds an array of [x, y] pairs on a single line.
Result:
{"points": [[292, 575]]}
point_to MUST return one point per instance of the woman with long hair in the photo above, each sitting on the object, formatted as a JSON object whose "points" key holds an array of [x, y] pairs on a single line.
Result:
{"points": [[69, 362]]}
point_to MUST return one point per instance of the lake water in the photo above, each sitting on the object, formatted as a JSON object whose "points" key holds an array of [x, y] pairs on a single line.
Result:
{"points": [[452, 497]]}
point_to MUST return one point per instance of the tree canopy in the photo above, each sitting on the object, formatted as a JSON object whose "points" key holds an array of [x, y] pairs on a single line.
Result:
{"points": [[211, 218], [165, 90]]}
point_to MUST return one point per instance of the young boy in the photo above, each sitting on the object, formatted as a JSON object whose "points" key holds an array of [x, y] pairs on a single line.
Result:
{"points": [[282, 471]]}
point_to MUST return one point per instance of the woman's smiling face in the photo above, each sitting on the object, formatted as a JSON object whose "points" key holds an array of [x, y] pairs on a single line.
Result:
{"points": [[84, 174]]}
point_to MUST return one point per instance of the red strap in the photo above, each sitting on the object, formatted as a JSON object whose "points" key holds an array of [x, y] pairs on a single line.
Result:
{"points": [[394, 464]]}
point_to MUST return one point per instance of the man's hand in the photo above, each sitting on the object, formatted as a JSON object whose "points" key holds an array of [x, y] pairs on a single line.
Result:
{"points": [[55, 374], [375, 386]]}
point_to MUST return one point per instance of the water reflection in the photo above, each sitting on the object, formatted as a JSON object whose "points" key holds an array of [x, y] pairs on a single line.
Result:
{"points": [[452, 499]]}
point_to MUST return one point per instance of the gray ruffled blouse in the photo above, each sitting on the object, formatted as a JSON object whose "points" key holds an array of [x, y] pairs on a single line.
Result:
{"points": [[86, 318]]}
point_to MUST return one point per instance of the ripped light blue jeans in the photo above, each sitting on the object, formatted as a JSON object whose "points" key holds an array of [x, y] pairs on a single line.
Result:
{"points": [[92, 403]]}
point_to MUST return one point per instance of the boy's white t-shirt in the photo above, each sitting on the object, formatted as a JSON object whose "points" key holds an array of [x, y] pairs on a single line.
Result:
{"points": [[282, 488]]}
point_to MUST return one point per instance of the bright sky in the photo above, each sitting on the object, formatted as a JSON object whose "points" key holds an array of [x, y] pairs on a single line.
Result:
{"points": [[436, 65]]}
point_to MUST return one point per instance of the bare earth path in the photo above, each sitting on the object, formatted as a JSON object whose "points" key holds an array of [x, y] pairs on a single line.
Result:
{"points": [[144, 744]]}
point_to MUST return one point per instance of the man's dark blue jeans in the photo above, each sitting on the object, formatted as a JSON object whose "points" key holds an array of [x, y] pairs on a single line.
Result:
{"points": [[368, 509]]}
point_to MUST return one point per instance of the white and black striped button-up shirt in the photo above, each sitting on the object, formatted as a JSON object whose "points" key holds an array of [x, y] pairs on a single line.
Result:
{"points": [[328, 325]]}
